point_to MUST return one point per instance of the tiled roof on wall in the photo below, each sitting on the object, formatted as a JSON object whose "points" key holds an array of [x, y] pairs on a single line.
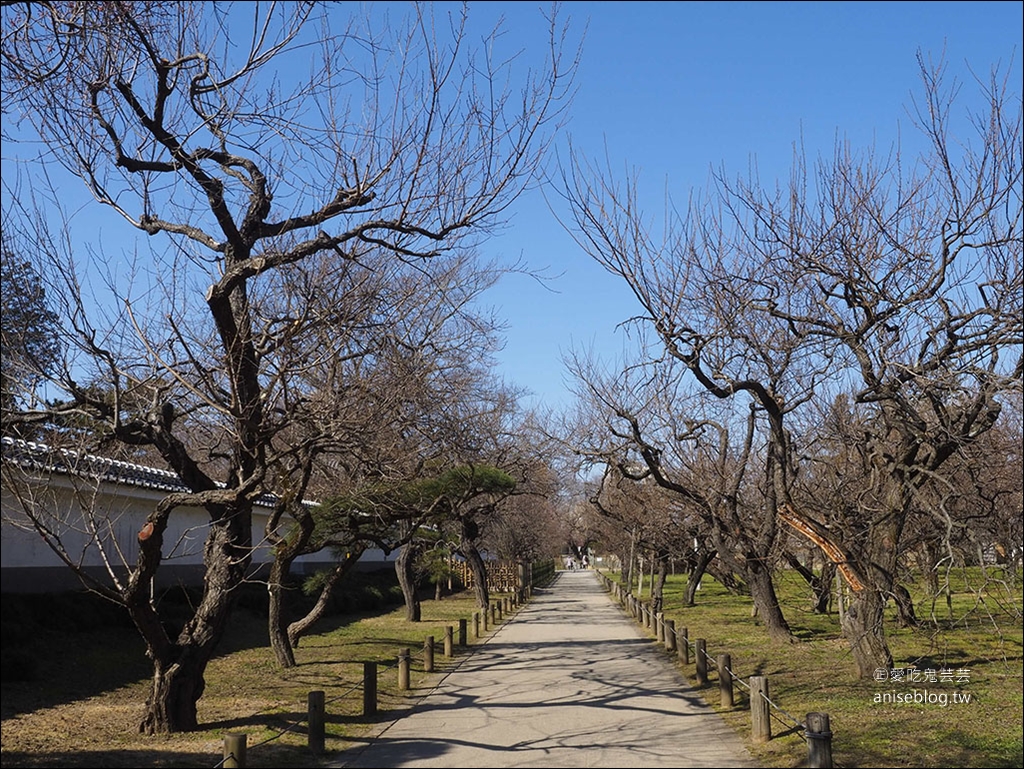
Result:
{"points": [[42, 458]]}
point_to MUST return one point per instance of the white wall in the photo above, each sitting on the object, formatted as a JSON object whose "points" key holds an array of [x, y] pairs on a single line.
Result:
{"points": [[98, 526]]}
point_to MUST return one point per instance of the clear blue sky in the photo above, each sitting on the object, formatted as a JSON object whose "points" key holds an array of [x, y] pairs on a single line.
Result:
{"points": [[674, 88]]}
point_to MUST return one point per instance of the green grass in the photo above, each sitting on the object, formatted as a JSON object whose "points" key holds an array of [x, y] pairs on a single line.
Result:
{"points": [[816, 674], [86, 697], [82, 706]]}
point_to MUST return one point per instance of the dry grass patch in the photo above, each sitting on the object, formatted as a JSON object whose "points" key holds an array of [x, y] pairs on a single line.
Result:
{"points": [[72, 716]]}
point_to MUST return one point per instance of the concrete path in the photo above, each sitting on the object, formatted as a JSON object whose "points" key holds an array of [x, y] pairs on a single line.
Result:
{"points": [[568, 681]]}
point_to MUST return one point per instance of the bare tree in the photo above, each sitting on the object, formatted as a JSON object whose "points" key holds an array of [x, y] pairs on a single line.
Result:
{"points": [[654, 430], [368, 407], [526, 526], [258, 165], [897, 282], [648, 513]]}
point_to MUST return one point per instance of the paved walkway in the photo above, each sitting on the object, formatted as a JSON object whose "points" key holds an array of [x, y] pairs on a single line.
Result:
{"points": [[567, 681]]}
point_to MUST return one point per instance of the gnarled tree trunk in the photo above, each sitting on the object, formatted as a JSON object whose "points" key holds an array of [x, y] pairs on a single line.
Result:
{"points": [[479, 569], [277, 620], [405, 569], [762, 591], [299, 628], [695, 573], [179, 666], [863, 626], [820, 584]]}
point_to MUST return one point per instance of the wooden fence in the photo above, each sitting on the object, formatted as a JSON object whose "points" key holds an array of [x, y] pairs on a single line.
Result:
{"points": [[235, 744], [815, 729], [502, 576]]}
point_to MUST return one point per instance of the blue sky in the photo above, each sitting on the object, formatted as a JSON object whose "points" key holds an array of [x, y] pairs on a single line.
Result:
{"points": [[672, 89]]}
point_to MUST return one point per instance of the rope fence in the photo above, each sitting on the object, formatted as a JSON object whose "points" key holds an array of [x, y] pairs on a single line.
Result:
{"points": [[814, 730], [235, 746]]}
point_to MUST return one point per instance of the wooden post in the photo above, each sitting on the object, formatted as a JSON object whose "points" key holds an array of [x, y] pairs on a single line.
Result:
{"points": [[819, 741], [659, 627], [725, 679], [486, 614], [494, 613], [428, 655], [702, 662], [369, 688], [315, 713], [760, 719], [234, 751], [463, 623], [684, 646], [403, 669], [670, 635], [476, 624], [449, 640]]}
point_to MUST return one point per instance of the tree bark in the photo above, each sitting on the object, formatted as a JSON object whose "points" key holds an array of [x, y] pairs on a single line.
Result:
{"points": [[820, 584], [658, 582], [277, 620], [174, 692], [480, 587], [179, 667], [695, 574], [479, 569], [405, 569], [301, 626], [762, 592], [905, 613], [725, 576], [864, 630]]}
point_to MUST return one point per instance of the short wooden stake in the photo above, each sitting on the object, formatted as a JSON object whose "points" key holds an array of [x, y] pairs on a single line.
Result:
{"points": [[234, 751], [463, 623], [670, 635], [819, 741], [684, 646], [760, 718], [702, 662], [725, 679], [428, 655], [449, 641], [403, 669], [369, 688], [315, 718]]}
